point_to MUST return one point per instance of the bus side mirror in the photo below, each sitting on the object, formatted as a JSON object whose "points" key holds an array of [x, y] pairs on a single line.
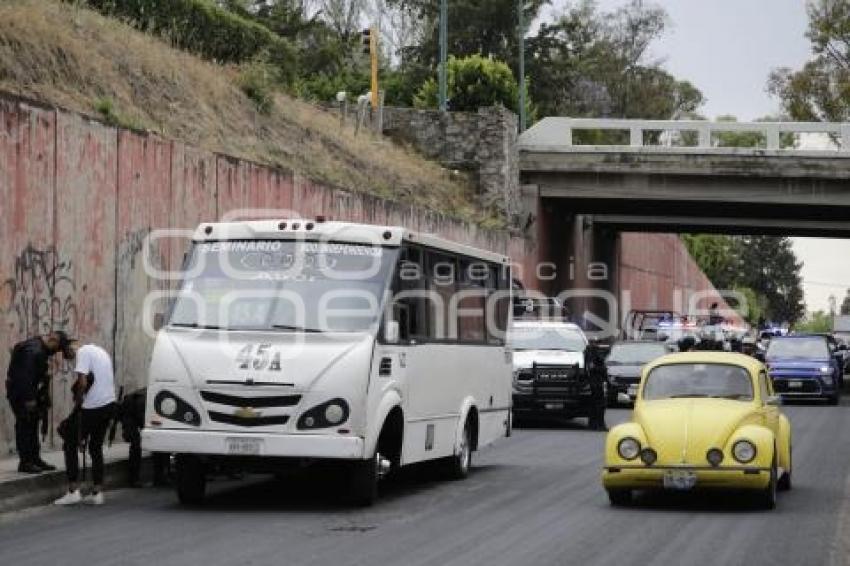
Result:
{"points": [[391, 332]]}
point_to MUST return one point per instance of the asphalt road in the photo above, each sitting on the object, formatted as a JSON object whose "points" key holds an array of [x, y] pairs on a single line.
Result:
{"points": [[533, 499]]}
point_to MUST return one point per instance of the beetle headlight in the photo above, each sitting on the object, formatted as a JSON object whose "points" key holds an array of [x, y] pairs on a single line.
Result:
{"points": [[628, 448], [744, 451]]}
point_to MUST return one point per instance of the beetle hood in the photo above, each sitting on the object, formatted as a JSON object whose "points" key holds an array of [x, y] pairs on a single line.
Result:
{"points": [[681, 431]]}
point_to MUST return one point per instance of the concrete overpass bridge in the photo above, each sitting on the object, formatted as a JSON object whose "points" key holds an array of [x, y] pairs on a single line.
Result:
{"points": [[676, 176]]}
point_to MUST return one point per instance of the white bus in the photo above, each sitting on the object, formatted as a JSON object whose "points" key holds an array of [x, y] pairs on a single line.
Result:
{"points": [[295, 341]]}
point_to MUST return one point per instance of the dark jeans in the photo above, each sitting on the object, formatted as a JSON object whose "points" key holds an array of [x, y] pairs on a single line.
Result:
{"points": [[95, 423], [26, 434]]}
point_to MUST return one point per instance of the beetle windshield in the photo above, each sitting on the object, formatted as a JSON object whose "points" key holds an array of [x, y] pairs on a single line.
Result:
{"points": [[283, 285], [637, 353], [698, 380]]}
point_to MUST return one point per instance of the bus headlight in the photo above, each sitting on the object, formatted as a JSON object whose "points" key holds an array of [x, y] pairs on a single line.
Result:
{"points": [[329, 413], [334, 413], [170, 406]]}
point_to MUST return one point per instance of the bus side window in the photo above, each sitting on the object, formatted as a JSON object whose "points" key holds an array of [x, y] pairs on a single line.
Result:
{"points": [[442, 284], [409, 307], [471, 303]]}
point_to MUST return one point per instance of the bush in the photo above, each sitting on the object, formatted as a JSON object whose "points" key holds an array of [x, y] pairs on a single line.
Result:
{"points": [[258, 82], [473, 82], [201, 27]]}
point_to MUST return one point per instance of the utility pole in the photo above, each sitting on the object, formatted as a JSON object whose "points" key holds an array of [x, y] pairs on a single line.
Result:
{"points": [[521, 31], [444, 54]]}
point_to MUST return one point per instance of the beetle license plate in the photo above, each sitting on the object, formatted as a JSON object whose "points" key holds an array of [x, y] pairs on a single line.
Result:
{"points": [[244, 446], [679, 480]]}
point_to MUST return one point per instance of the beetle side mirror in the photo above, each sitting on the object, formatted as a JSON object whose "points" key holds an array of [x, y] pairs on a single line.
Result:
{"points": [[773, 400], [158, 321], [391, 332], [760, 356]]}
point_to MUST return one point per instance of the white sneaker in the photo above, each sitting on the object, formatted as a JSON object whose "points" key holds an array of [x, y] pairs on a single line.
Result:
{"points": [[94, 498], [70, 498]]}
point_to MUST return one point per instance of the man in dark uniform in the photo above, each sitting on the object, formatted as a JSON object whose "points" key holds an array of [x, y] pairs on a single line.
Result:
{"points": [[132, 414], [594, 363], [27, 382]]}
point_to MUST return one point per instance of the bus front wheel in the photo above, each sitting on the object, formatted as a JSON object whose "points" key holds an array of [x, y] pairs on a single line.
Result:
{"points": [[363, 482], [191, 479]]}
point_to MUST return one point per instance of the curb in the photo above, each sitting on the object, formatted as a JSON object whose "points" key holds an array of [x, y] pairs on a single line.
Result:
{"points": [[42, 489]]}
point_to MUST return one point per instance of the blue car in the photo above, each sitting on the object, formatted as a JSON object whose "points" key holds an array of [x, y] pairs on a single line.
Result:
{"points": [[804, 367]]}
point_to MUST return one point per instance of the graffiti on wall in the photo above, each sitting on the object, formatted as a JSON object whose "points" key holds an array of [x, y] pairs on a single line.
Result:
{"points": [[40, 293]]}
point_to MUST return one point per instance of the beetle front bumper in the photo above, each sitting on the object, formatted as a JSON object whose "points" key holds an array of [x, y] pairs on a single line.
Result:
{"points": [[652, 477]]}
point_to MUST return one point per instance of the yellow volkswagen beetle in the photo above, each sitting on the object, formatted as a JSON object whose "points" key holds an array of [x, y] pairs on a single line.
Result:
{"points": [[702, 420]]}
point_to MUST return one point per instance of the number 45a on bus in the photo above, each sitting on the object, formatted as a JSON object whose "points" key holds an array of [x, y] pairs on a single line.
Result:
{"points": [[258, 357]]}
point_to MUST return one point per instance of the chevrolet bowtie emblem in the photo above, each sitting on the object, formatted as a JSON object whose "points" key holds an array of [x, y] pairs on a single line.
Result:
{"points": [[246, 413]]}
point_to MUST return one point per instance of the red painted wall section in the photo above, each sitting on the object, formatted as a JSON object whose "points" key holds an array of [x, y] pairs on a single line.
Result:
{"points": [[31, 272], [86, 199], [657, 272], [144, 204]]}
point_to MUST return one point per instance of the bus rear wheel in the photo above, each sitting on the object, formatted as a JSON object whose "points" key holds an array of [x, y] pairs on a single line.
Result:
{"points": [[457, 467], [191, 479]]}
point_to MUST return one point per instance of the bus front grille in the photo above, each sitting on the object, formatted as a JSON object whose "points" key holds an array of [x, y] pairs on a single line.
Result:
{"points": [[254, 402], [248, 421]]}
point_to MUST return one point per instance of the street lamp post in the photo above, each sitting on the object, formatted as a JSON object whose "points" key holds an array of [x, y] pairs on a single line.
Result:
{"points": [[444, 49], [521, 32]]}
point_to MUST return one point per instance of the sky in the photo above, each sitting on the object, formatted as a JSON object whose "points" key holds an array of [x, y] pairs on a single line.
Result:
{"points": [[727, 48]]}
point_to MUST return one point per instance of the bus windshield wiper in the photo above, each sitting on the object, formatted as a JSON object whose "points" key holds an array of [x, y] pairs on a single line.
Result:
{"points": [[294, 328]]}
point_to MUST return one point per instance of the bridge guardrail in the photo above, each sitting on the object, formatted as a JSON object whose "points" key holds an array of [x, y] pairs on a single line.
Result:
{"points": [[557, 134]]}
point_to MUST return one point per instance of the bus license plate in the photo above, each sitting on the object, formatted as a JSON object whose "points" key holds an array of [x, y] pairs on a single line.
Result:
{"points": [[679, 480], [244, 446], [795, 384]]}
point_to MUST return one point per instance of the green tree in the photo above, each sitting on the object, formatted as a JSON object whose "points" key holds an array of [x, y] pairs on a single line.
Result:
{"points": [[592, 63], [821, 89], [817, 322], [473, 82], [845, 304], [763, 265]]}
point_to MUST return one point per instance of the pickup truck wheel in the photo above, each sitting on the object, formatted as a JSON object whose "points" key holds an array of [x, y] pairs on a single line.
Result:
{"points": [[620, 497], [191, 480]]}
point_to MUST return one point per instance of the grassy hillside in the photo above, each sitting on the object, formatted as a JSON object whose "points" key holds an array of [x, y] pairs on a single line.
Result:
{"points": [[72, 57]]}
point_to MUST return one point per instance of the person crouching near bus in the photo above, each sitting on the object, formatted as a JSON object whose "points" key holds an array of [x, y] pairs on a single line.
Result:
{"points": [[94, 397]]}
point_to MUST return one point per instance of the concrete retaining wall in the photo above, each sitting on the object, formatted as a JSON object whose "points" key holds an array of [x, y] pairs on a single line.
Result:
{"points": [[78, 198]]}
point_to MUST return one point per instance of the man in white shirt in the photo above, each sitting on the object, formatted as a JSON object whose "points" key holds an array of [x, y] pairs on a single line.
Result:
{"points": [[94, 392]]}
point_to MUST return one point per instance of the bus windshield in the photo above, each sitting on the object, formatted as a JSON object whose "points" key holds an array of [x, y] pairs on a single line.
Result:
{"points": [[283, 285]]}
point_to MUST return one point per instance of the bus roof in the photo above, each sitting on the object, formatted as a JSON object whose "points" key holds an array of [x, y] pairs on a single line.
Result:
{"points": [[345, 232]]}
